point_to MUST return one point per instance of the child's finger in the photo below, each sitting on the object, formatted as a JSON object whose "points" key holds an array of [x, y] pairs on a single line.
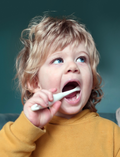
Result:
{"points": [[41, 99], [49, 93], [53, 90], [43, 95], [55, 108]]}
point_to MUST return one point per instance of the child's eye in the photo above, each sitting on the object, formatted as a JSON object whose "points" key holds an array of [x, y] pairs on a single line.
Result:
{"points": [[58, 61], [81, 59]]}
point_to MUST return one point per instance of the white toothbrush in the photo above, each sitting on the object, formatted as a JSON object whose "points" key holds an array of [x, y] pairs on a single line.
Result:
{"points": [[56, 97]]}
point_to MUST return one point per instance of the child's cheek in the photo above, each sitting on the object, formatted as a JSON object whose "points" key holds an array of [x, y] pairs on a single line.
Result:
{"points": [[49, 80]]}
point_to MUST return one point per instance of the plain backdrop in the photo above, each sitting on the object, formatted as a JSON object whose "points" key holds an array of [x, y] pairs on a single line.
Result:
{"points": [[102, 19]]}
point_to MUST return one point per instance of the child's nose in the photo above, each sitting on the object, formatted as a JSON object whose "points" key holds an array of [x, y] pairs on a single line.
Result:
{"points": [[72, 67]]}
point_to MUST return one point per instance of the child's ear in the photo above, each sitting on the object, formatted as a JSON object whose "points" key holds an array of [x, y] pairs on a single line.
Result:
{"points": [[33, 86]]}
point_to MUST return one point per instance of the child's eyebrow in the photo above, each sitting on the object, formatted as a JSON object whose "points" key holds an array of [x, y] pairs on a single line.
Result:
{"points": [[83, 52], [65, 52], [56, 52]]}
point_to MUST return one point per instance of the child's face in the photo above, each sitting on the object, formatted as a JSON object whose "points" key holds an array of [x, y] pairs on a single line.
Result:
{"points": [[64, 70]]}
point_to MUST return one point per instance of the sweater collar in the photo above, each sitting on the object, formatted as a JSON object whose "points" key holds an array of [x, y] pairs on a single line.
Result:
{"points": [[83, 115]]}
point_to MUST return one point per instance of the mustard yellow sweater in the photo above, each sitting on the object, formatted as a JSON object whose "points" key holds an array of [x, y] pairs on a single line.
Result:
{"points": [[84, 135]]}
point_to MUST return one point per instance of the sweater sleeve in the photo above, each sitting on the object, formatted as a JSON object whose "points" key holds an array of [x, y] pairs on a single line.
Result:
{"points": [[17, 139]]}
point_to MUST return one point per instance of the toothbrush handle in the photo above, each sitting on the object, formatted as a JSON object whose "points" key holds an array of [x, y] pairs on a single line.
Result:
{"points": [[56, 97], [36, 107]]}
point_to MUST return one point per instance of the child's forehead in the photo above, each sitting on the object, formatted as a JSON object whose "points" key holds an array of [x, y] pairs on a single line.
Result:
{"points": [[74, 47]]}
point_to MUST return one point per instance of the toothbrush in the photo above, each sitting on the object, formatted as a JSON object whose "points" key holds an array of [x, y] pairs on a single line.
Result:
{"points": [[56, 97]]}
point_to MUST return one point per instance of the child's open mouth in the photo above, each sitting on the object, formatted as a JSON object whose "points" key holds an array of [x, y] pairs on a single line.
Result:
{"points": [[73, 96]]}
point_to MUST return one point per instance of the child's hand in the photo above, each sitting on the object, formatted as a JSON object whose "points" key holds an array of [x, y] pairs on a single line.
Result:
{"points": [[41, 117]]}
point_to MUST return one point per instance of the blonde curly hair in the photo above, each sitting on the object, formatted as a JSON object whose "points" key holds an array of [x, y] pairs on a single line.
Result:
{"points": [[41, 34]]}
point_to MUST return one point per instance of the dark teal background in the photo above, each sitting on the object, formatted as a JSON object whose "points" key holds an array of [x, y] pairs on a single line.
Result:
{"points": [[102, 19]]}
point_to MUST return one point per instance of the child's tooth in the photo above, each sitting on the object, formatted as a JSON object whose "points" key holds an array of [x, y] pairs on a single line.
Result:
{"points": [[77, 95]]}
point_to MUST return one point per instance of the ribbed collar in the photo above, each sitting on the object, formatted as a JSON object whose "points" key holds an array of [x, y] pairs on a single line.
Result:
{"points": [[82, 116]]}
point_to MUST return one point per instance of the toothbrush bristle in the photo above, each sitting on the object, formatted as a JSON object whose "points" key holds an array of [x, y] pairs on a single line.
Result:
{"points": [[78, 88]]}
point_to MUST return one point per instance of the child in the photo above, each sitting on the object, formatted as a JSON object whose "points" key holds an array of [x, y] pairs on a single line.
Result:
{"points": [[58, 55]]}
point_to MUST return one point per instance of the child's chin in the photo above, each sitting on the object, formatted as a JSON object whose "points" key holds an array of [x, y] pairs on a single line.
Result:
{"points": [[70, 112]]}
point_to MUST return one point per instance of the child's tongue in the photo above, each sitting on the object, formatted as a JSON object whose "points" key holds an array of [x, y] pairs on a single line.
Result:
{"points": [[67, 88], [71, 95]]}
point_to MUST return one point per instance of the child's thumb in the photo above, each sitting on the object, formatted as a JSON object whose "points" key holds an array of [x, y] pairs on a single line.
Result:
{"points": [[55, 107]]}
